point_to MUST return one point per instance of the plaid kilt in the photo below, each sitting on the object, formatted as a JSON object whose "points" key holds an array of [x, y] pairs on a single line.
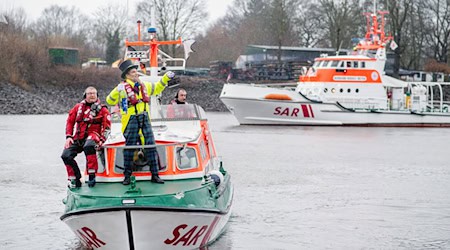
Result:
{"points": [[132, 137]]}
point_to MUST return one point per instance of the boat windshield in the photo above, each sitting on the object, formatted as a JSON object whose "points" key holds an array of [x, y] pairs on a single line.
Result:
{"points": [[178, 112]]}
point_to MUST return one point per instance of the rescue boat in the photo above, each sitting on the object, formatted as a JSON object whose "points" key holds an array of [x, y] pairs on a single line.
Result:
{"points": [[351, 90], [189, 211]]}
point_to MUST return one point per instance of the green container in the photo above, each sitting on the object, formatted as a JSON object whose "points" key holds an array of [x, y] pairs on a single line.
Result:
{"points": [[64, 56]]}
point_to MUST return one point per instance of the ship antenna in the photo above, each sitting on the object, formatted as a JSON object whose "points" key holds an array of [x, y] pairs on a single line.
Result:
{"points": [[374, 6]]}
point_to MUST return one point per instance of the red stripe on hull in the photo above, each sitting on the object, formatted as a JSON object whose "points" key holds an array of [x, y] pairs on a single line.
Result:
{"points": [[208, 234], [311, 111], [305, 110]]}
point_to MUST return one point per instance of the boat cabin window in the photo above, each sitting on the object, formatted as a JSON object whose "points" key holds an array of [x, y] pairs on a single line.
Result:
{"points": [[355, 64], [327, 64], [349, 64], [325, 90], [363, 64], [424, 78], [186, 158], [334, 64], [140, 162], [101, 160], [203, 152], [341, 64], [316, 63]]}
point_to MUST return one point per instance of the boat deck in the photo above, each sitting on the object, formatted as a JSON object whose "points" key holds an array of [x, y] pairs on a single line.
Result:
{"points": [[147, 188], [174, 193]]}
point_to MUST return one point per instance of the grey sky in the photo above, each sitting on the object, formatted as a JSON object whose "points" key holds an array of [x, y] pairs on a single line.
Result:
{"points": [[33, 8]]}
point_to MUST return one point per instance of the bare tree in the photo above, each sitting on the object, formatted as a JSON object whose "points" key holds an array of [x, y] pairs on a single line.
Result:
{"points": [[309, 27], [342, 19], [415, 39], [174, 18], [281, 25], [58, 22], [438, 13], [110, 27], [399, 10], [23, 56]]}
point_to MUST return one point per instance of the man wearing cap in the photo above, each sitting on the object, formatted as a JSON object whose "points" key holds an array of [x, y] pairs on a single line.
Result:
{"points": [[135, 116]]}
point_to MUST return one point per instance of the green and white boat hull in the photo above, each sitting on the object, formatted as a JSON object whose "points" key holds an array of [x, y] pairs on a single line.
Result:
{"points": [[181, 214]]}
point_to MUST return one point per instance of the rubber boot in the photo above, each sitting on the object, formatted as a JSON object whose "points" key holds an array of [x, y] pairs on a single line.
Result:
{"points": [[77, 183], [156, 179], [126, 180], [91, 181]]}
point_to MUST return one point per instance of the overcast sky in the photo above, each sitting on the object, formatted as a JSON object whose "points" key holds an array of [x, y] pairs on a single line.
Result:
{"points": [[33, 8]]}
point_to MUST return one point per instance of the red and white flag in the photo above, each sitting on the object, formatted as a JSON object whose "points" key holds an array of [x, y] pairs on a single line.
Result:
{"points": [[393, 45], [229, 76]]}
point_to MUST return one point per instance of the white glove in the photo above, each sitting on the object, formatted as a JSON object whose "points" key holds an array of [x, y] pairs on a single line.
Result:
{"points": [[170, 74], [120, 87]]}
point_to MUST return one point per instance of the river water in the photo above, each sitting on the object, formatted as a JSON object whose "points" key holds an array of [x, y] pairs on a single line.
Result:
{"points": [[295, 187]]}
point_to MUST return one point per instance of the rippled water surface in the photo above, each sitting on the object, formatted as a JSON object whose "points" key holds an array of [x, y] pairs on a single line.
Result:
{"points": [[295, 187]]}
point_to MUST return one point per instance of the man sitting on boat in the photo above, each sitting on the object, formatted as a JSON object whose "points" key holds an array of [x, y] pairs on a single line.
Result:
{"points": [[177, 109], [180, 97], [134, 96], [86, 125]]}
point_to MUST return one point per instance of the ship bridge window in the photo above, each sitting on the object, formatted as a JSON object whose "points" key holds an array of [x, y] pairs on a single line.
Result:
{"points": [[341, 64], [326, 64], [186, 158], [316, 63], [355, 64], [363, 64], [349, 64], [334, 64]]}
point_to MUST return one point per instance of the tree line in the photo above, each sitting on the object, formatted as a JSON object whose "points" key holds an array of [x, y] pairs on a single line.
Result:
{"points": [[420, 28]]}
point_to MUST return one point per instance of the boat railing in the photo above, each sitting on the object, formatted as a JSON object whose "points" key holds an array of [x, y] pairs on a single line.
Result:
{"points": [[166, 62], [433, 102]]}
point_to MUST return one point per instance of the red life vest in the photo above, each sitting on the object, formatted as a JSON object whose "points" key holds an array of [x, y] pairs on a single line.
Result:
{"points": [[131, 95], [87, 120]]}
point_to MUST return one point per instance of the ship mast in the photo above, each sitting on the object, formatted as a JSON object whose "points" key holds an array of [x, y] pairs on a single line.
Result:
{"points": [[375, 37], [152, 44]]}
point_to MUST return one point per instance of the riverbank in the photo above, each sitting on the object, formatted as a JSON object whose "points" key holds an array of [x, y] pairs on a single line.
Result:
{"points": [[59, 99]]}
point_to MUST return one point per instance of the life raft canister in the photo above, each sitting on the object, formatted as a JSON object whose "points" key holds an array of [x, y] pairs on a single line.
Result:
{"points": [[278, 97]]}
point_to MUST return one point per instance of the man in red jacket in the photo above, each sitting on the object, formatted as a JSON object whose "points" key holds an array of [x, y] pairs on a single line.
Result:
{"points": [[85, 131]]}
